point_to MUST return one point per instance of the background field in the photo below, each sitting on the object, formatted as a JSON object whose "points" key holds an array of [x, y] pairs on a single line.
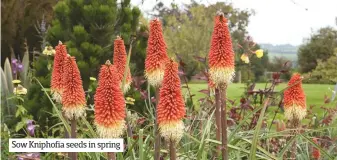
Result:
{"points": [[314, 92], [289, 56]]}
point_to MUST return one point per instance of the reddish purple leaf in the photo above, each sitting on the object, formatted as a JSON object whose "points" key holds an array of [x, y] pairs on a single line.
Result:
{"points": [[326, 99], [205, 91], [182, 63], [230, 122], [200, 59]]}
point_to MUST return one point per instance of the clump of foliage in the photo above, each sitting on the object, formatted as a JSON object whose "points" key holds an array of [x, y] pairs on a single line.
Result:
{"points": [[327, 70], [320, 46]]}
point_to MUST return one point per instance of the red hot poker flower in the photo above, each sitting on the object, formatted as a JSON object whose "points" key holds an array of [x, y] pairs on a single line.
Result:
{"points": [[56, 79], [120, 60], [171, 107], [109, 103], [221, 54], [156, 54], [73, 100], [294, 99]]}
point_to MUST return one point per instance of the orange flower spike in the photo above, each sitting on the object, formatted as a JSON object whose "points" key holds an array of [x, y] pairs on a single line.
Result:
{"points": [[56, 79], [156, 54], [109, 103], [73, 100], [120, 60], [171, 107], [294, 99], [221, 54]]}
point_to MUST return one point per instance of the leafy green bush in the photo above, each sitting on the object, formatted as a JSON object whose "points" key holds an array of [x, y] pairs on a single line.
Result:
{"points": [[88, 28]]}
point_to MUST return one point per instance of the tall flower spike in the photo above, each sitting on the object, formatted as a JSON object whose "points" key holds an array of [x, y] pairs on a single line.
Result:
{"points": [[56, 79], [73, 96], [156, 54], [294, 99], [221, 54], [171, 107], [120, 60], [109, 103]]}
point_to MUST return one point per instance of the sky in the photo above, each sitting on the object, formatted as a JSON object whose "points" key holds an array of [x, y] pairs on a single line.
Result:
{"points": [[275, 21]]}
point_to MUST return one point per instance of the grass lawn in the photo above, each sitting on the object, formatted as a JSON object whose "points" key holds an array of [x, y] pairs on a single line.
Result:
{"points": [[289, 56], [314, 92]]}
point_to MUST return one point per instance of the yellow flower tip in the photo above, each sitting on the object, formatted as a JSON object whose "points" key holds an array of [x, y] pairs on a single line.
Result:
{"points": [[259, 53], [93, 79], [155, 77], [16, 81], [20, 90], [295, 112], [129, 100], [172, 130], [76, 112], [245, 58], [131, 103], [115, 131], [223, 75]]}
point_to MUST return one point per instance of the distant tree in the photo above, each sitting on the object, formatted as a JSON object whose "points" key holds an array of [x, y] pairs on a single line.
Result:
{"points": [[188, 31], [327, 70], [320, 46]]}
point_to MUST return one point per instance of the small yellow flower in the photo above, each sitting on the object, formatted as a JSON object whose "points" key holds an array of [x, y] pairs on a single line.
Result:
{"points": [[16, 81], [48, 50], [259, 53], [92, 79], [20, 90], [130, 100], [245, 58]]}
